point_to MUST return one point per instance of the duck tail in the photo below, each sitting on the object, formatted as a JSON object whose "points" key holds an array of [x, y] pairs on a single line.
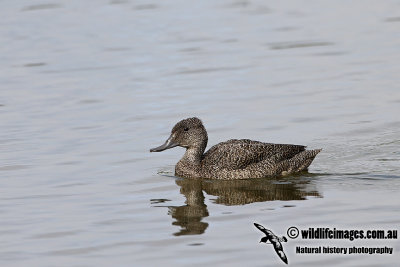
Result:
{"points": [[309, 159], [301, 161]]}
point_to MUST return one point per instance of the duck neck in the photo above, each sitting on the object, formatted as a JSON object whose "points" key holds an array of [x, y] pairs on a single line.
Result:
{"points": [[194, 154]]}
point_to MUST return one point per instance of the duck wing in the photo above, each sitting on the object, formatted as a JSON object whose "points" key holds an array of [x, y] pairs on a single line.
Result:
{"points": [[238, 154]]}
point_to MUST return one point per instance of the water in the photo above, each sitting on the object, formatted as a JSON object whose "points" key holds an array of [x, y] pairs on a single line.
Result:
{"points": [[87, 87]]}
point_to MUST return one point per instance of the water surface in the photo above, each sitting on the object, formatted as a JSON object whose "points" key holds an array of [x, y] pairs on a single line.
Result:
{"points": [[87, 87]]}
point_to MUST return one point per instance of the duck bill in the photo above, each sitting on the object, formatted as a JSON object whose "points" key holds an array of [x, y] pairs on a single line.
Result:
{"points": [[167, 145]]}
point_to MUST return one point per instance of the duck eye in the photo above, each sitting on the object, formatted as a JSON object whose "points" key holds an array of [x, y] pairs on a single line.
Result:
{"points": [[186, 129]]}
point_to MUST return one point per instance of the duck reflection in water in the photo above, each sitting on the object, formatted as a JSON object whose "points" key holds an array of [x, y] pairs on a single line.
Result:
{"points": [[235, 192]]}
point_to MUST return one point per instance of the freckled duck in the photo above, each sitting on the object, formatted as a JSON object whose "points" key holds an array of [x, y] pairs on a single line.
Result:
{"points": [[233, 159]]}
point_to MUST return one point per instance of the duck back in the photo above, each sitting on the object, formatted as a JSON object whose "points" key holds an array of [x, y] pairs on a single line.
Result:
{"points": [[238, 154]]}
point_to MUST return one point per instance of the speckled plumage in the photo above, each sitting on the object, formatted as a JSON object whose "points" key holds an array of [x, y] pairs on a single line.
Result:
{"points": [[233, 159]]}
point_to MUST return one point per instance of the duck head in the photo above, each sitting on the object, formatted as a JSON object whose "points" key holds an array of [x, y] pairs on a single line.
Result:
{"points": [[188, 133]]}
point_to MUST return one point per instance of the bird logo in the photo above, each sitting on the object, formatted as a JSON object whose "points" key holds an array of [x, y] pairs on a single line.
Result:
{"points": [[274, 240]]}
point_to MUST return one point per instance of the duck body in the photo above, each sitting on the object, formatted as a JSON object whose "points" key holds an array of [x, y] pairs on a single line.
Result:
{"points": [[233, 159]]}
